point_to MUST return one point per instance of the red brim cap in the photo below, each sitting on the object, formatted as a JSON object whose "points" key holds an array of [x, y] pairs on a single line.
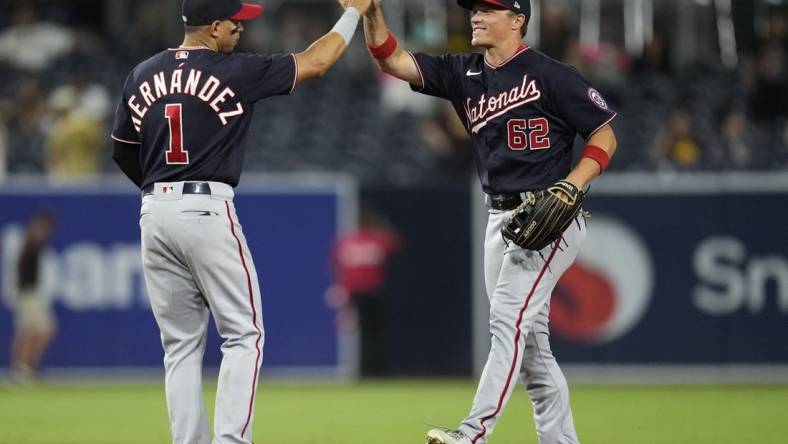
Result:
{"points": [[248, 11]]}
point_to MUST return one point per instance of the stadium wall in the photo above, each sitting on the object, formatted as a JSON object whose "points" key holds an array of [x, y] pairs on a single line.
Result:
{"points": [[678, 272], [683, 278], [92, 272]]}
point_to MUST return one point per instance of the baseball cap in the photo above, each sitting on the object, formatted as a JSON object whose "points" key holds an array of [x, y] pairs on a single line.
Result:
{"points": [[517, 6], [204, 12]]}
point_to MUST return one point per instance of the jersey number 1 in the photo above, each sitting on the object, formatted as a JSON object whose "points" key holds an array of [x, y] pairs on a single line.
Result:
{"points": [[531, 134], [176, 155]]}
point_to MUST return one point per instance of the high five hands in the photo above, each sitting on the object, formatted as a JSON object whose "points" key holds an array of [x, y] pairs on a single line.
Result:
{"points": [[363, 6]]}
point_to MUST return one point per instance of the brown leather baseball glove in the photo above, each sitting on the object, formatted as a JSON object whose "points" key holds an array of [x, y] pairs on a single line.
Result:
{"points": [[544, 216]]}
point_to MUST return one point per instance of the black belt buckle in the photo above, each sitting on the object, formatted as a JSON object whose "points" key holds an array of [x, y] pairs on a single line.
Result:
{"points": [[197, 188], [505, 202]]}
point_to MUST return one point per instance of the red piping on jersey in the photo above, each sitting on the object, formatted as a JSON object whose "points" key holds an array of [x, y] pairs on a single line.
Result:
{"points": [[189, 48], [295, 77], [602, 125], [516, 342], [254, 318], [124, 141], [520, 50], [418, 68]]}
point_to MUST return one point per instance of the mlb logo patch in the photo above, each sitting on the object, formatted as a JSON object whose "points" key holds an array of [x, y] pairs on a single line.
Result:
{"points": [[181, 55]]}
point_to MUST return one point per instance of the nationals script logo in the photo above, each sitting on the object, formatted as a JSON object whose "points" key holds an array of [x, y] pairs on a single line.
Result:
{"points": [[487, 109]]}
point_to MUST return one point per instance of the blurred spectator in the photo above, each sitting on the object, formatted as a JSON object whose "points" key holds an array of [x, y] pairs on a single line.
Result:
{"points": [[31, 45], [397, 97], [75, 141], [458, 37], [445, 135], [359, 262], [675, 145], [34, 320], [92, 99], [771, 89], [3, 150], [24, 115], [734, 140], [338, 123], [555, 34], [655, 57], [607, 66]]}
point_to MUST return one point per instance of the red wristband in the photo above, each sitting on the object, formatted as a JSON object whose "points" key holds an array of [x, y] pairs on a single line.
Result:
{"points": [[385, 50], [598, 155]]}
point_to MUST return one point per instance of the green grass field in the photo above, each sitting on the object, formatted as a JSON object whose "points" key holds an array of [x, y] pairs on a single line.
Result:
{"points": [[396, 412]]}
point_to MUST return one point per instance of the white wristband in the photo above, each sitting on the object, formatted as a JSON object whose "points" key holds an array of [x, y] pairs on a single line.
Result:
{"points": [[346, 25]]}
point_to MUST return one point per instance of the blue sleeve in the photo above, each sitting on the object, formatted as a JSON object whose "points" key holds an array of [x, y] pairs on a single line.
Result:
{"points": [[126, 127], [266, 75], [438, 74], [579, 103]]}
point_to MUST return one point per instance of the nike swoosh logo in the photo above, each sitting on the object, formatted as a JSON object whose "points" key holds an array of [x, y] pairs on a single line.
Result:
{"points": [[471, 73]]}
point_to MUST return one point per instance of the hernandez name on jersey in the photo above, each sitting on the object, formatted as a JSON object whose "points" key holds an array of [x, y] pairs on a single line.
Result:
{"points": [[190, 110], [207, 88]]}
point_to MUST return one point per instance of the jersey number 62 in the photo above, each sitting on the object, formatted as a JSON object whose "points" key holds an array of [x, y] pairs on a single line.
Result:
{"points": [[531, 134]]}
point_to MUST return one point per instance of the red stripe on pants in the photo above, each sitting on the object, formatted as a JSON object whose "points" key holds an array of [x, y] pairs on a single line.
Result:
{"points": [[254, 318], [516, 344]]}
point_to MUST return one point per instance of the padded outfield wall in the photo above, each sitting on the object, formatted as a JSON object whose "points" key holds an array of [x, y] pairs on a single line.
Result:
{"points": [[682, 278], [92, 273]]}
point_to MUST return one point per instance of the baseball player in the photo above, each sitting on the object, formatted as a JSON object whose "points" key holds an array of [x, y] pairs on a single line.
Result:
{"points": [[179, 135], [522, 111]]}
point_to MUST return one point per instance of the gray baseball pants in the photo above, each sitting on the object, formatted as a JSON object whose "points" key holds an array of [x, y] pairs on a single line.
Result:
{"points": [[519, 285], [196, 260]]}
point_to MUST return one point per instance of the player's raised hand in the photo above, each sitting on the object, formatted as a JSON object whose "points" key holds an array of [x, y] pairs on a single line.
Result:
{"points": [[373, 8], [361, 5]]}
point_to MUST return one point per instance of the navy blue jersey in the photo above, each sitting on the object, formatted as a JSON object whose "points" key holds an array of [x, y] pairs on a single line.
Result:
{"points": [[189, 111], [522, 116]]}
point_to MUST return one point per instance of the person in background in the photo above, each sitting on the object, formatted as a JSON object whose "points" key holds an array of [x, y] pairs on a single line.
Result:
{"points": [[360, 262], [3, 149], [23, 114], [675, 146], [32, 45], [34, 321], [74, 144]]}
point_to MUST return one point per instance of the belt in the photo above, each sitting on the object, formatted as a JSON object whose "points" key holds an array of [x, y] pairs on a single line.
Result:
{"points": [[188, 188], [504, 202]]}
